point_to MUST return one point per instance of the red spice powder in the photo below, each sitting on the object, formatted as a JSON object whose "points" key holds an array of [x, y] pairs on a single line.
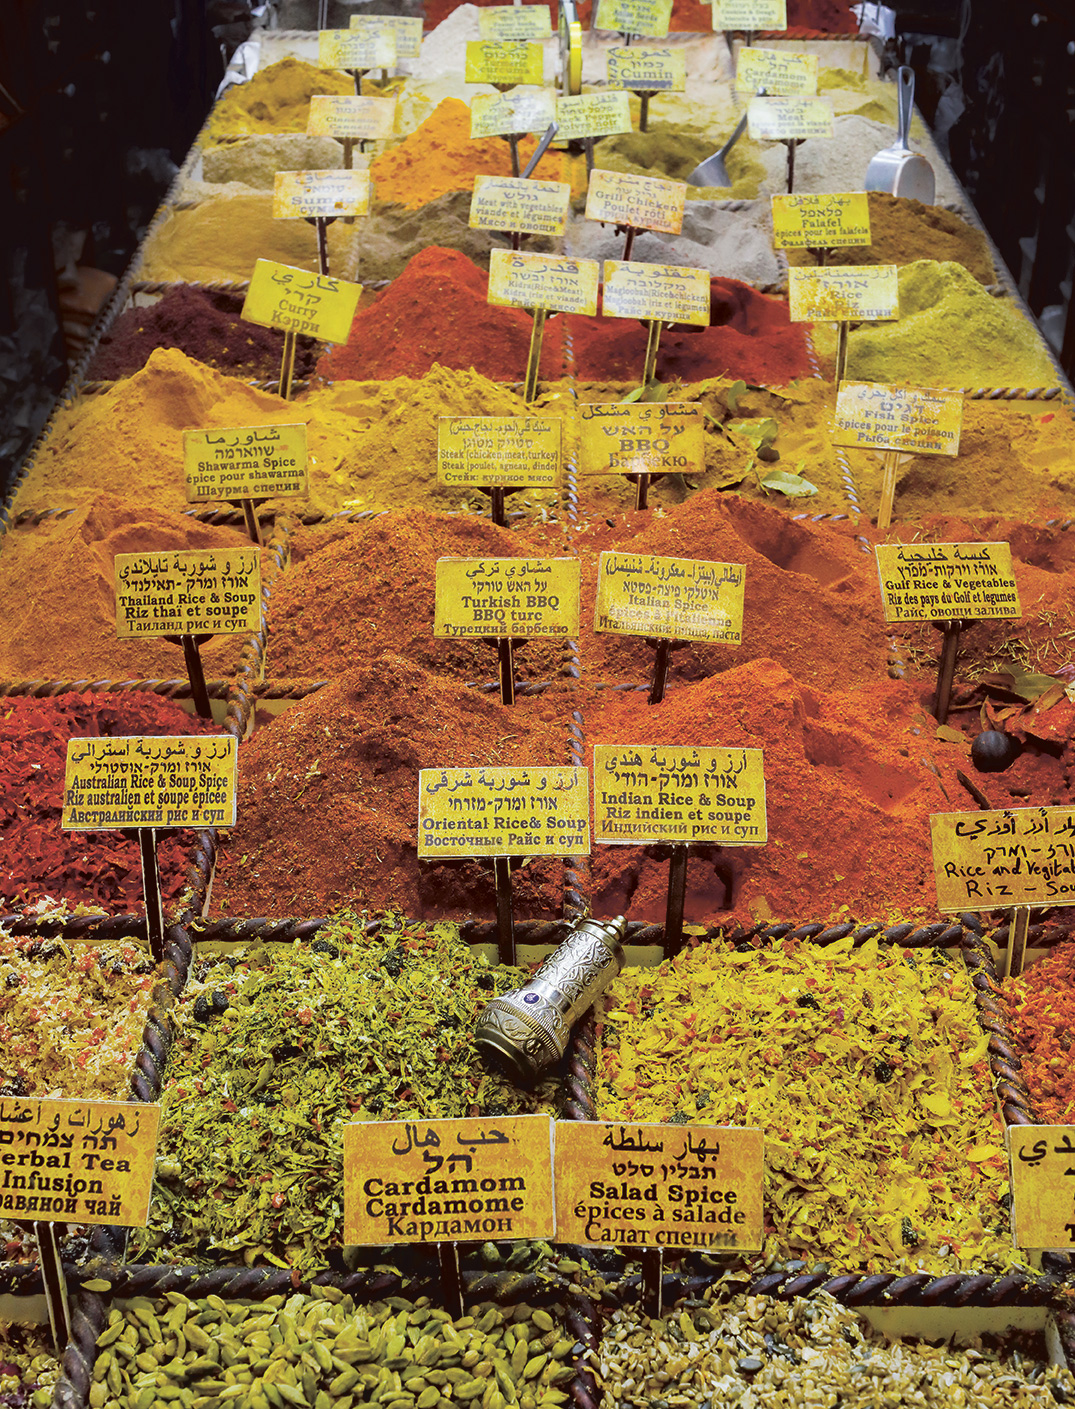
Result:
{"points": [[1041, 1010], [436, 311]]}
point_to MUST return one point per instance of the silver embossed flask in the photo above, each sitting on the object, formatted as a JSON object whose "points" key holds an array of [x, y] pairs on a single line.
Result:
{"points": [[527, 1031]]}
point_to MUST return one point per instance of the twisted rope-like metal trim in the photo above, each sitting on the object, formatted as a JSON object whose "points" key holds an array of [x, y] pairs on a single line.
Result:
{"points": [[212, 286], [168, 689], [88, 1317], [1008, 393], [287, 689], [583, 1322], [1013, 1095], [578, 1101], [88, 929], [576, 868]]}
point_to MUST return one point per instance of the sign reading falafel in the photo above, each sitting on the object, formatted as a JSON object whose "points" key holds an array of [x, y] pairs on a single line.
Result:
{"points": [[673, 1186], [921, 581], [507, 597], [514, 22], [508, 61], [245, 462], [672, 793], [188, 592], [997, 860], [648, 17], [660, 438], [430, 1181], [1043, 1202], [852, 294], [675, 598], [647, 70], [669, 293], [821, 221], [776, 71], [750, 14], [77, 1161], [503, 812], [592, 115], [296, 301], [512, 203], [642, 202], [406, 32], [554, 282], [344, 116], [150, 781], [915, 420], [491, 452]]}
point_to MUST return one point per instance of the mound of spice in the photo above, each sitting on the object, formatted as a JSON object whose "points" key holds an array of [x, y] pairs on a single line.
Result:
{"points": [[279, 1048], [204, 324], [36, 857], [276, 99], [867, 1070], [672, 153], [256, 160], [394, 234], [29, 1368], [437, 311], [328, 797], [1041, 1007]]}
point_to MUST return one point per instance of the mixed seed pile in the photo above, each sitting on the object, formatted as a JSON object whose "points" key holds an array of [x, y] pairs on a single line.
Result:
{"points": [[28, 1368], [760, 1353], [324, 1352]]}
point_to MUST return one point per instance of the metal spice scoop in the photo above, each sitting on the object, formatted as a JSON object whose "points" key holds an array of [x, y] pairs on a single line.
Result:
{"points": [[527, 1031], [712, 171], [897, 169]]}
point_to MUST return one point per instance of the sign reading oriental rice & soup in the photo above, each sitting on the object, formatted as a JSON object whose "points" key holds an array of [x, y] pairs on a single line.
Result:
{"points": [[466, 812]]}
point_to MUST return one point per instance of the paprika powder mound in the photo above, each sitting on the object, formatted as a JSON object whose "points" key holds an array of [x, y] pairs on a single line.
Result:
{"points": [[1041, 1015], [276, 99]]}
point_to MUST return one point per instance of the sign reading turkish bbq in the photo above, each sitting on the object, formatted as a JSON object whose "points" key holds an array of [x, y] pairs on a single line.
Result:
{"points": [[245, 462], [527, 206], [773, 71], [674, 598], [487, 452], [506, 61], [351, 118], [661, 437], [648, 17], [1043, 1202], [188, 592], [670, 1186], [821, 221], [642, 202], [507, 597], [499, 22], [750, 14], [150, 781], [672, 793], [296, 301], [77, 1161], [999, 860], [325, 195], [503, 812], [592, 115], [406, 32], [789, 118], [923, 581]]}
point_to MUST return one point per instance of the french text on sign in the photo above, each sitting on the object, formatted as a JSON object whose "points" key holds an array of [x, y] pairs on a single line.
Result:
{"points": [[150, 781], [673, 793], [245, 462], [188, 592], [673, 598], [503, 812], [328, 195], [1043, 1185], [750, 14], [642, 202], [930, 581], [498, 451], [821, 221], [661, 437], [526, 597], [668, 293], [361, 119], [789, 118], [776, 72], [518, 110], [592, 115], [852, 294], [996, 860], [296, 301], [510, 203], [916, 420], [549, 281]]}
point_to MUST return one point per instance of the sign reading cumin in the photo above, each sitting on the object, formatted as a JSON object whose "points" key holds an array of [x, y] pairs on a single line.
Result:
{"points": [[296, 301], [647, 70], [150, 781], [503, 812], [672, 793], [676, 598], [507, 597], [1043, 1202], [77, 1161], [671, 1186], [498, 451], [189, 591], [435, 1181], [920, 581], [245, 462], [997, 860], [662, 437]]}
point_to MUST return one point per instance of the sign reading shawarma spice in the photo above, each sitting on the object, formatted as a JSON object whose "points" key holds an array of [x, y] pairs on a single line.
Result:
{"points": [[673, 598], [245, 462]]}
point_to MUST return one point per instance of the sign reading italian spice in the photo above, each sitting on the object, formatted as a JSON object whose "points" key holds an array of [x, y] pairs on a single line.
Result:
{"points": [[296, 301], [776, 72], [77, 1161], [545, 281], [356, 49], [352, 118], [507, 597], [188, 592], [592, 115], [915, 420], [821, 221], [507, 451], [658, 438], [750, 14], [509, 62], [921, 581], [664, 292], [520, 110], [997, 860], [619, 198], [245, 462], [500, 22], [647, 70], [503, 812], [406, 32], [324, 195], [649, 17], [789, 119], [673, 1186], [512, 203], [675, 598], [150, 781], [1043, 1202], [429, 1181], [852, 294], [672, 793]]}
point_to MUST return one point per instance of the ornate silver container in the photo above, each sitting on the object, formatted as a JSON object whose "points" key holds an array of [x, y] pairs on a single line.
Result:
{"points": [[527, 1031]]}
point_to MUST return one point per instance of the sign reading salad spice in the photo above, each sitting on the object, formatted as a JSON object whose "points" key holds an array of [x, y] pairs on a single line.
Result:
{"points": [[510, 203], [77, 1161], [673, 1186], [550, 281], [150, 781], [644, 203], [776, 72], [997, 860], [675, 598], [507, 597], [920, 581], [1043, 1202], [520, 110], [647, 70], [852, 294], [671, 793], [750, 14], [359, 119], [665, 292], [592, 115], [245, 462], [325, 195], [488, 452], [789, 119], [188, 592], [500, 22], [503, 812], [296, 301], [649, 17], [915, 420], [661, 437], [821, 221], [508, 61], [356, 49], [406, 32]]}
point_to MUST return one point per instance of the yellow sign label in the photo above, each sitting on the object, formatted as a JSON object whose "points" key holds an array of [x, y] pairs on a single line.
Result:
{"points": [[1043, 1205], [77, 1161], [406, 32], [916, 420], [671, 1186], [750, 14], [488, 452], [500, 22], [245, 462], [785, 119], [188, 592], [853, 294], [592, 115], [647, 70], [648, 17], [364, 119], [618, 198], [503, 812], [549, 281], [671, 793], [356, 49], [659, 438], [150, 781], [296, 301], [779, 72], [508, 61], [302, 195], [520, 110], [920, 581], [510, 203], [435, 1181], [507, 597], [675, 598], [995, 860], [663, 291], [821, 222]]}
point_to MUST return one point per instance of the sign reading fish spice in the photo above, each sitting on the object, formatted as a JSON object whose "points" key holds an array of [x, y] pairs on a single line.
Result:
{"points": [[647, 70], [324, 195], [510, 203], [671, 1186], [487, 452], [188, 592], [921, 581], [852, 294], [649, 17], [150, 781], [915, 420], [821, 221], [503, 812], [661, 437], [665, 292], [351, 118], [1043, 1199], [77, 1161], [356, 49], [789, 119], [771, 72], [592, 115], [669, 793], [245, 462], [997, 860], [507, 597], [642, 202], [674, 598], [432, 1181], [500, 22], [406, 32], [750, 14], [508, 62], [549, 281], [296, 301], [519, 110]]}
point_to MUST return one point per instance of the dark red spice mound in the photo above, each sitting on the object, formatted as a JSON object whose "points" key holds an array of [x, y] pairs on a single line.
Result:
{"points": [[36, 857], [437, 311], [749, 336], [204, 325]]}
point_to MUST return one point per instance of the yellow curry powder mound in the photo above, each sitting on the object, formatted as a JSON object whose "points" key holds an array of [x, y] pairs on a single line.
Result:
{"points": [[276, 99]]}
